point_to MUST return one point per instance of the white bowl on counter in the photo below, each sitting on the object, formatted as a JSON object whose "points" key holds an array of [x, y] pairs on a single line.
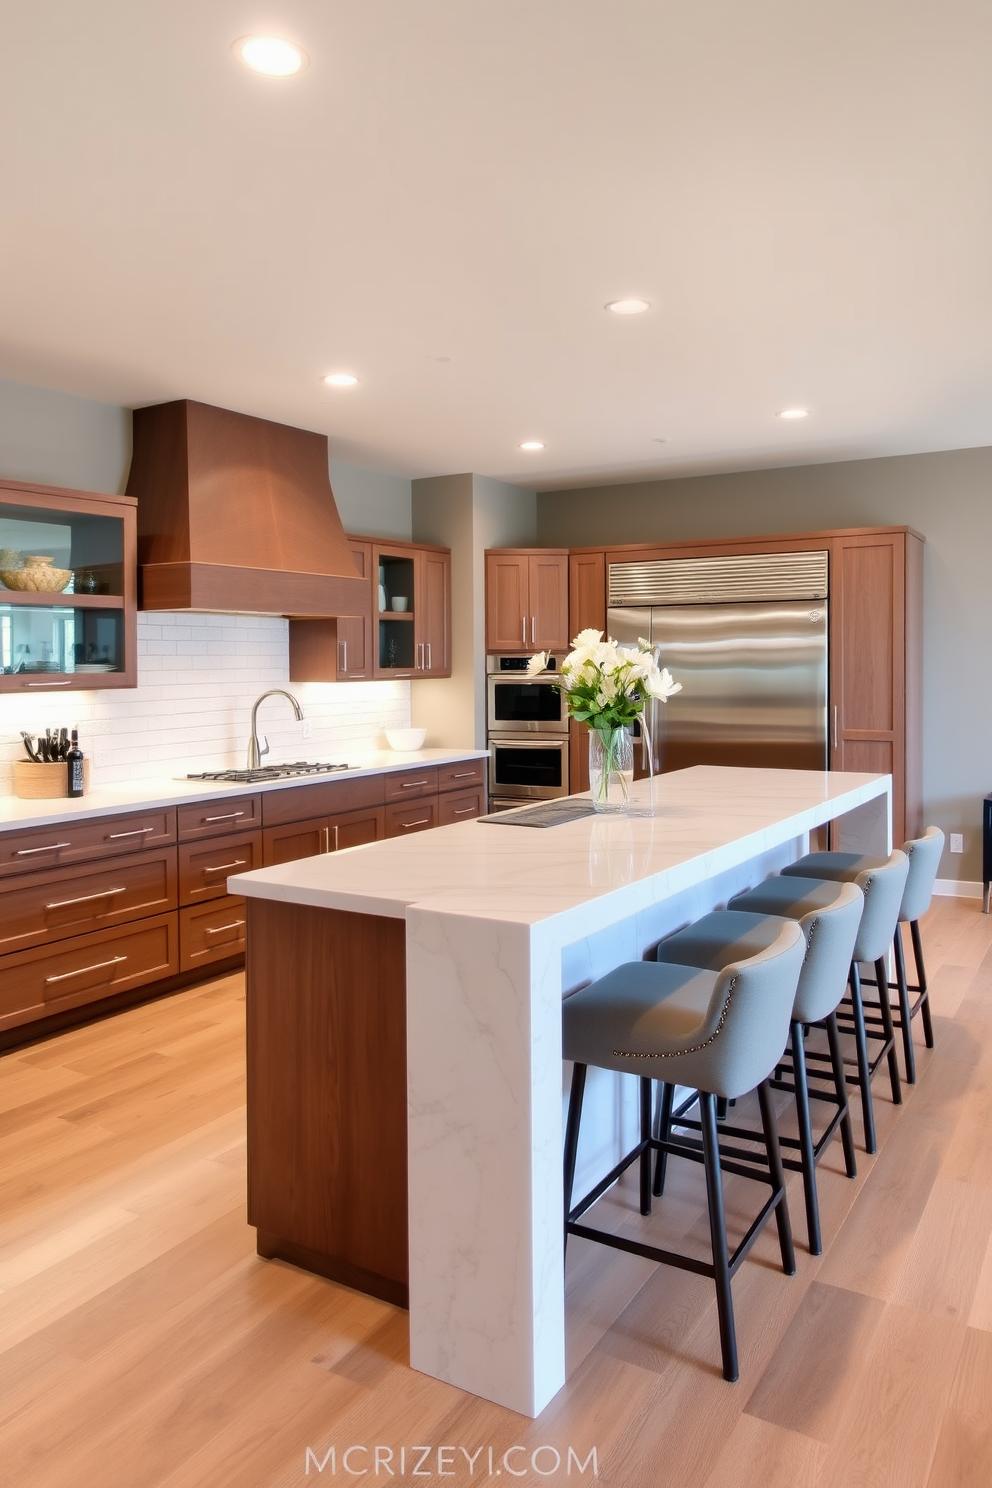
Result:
{"points": [[405, 741]]}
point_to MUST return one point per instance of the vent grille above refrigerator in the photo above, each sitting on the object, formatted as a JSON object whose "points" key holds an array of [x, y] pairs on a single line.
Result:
{"points": [[689, 581]]}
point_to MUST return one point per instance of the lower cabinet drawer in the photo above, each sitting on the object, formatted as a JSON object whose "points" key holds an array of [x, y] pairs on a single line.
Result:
{"points": [[211, 932], [38, 908], [418, 816], [87, 968], [204, 867], [459, 806], [462, 775]]}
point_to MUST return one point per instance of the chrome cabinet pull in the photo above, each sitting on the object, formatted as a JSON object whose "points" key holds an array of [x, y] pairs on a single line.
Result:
{"points": [[219, 867], [464, 811], [50, 684], [533, 630], [412, 784], [344, 647], [231, 816], [335, 836], [138, 832], [27, 852], [464, 775], [835, 725], [97, 966], [429, 656], [421, 821], [84, 898], [523, 621], [217, 929]]}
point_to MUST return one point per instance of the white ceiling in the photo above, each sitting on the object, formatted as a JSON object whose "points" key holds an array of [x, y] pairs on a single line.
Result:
{"points": [[803, 191]]}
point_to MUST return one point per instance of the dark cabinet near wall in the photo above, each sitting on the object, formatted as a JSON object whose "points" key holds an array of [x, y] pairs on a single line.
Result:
{"points": [[526, 600], [408, 636], [68, 589]]}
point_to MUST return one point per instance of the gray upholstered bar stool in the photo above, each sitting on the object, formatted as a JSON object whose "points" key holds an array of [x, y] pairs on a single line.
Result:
{"points": [[720, 1033], [882, 886], [830, 927], [924, 859]]}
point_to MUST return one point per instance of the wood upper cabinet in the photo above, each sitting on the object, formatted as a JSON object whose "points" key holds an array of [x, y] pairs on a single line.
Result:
{"points": [[527, 599], [875, 664], [338, 650], [412, 592], [432, 616]]}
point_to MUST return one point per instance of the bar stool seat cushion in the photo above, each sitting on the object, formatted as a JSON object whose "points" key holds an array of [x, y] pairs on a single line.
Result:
{"points": [[674, 1023]]}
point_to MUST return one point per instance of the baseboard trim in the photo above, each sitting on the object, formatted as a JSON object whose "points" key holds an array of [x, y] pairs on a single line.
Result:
{"points": [[959, 888]]}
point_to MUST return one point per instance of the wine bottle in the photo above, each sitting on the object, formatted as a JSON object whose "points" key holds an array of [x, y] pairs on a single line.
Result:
{"points": [[74, 766]]}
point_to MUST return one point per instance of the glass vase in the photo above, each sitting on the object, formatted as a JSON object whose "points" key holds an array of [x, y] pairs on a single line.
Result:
{"points": [[611, 767]]}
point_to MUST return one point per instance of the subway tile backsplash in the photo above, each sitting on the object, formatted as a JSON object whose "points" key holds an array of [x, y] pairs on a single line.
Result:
{"points": [[198, 676]]}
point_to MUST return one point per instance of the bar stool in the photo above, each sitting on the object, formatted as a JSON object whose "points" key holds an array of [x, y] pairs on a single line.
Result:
{"points": [[830, 928], [883, 888], [720, 1033], [924, 855]]}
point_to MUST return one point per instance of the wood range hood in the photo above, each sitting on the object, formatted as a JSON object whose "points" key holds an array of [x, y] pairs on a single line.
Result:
{"points": [[237, 514]]}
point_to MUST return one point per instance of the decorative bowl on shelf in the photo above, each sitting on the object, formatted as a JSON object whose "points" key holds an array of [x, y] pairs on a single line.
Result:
{"points": [[405, 741], [399, 603], [37, 576]]}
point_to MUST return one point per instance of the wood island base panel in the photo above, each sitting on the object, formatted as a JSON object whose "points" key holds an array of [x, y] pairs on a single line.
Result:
{"points": [[327, 1138]]}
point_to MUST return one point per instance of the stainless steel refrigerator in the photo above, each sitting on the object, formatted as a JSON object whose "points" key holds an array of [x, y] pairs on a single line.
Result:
{"points": [[747, 638]]}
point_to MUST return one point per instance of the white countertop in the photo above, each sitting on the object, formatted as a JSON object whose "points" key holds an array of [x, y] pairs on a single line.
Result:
{"points": [[707, 819], [15, 813]]}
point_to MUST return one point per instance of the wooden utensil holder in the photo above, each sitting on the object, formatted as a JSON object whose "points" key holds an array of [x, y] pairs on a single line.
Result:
{"points": [[36, 782]]}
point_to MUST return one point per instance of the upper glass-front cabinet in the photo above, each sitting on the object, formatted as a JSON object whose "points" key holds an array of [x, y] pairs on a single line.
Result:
{"points": [[68, 596]]}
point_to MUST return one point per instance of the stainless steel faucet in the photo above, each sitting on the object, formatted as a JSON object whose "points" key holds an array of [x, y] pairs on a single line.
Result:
{"points": [[254, 753]]}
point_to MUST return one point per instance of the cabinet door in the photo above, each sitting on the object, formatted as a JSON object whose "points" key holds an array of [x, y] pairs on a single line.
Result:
{"points": [[507, 607], [867, 670], [548, 591], [433, 614], [586, 593], [299, 840], [354, 828], [354, 632]]}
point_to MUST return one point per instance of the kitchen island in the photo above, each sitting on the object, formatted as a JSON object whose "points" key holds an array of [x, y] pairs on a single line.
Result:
{"points": [[404, 1043]]}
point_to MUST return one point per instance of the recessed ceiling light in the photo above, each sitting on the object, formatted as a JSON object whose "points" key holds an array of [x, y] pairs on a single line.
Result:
{"points": [[662, 441], [793, 413], [271, 55], [532, 444], [629, 307], [340, 379], [439, 358]]}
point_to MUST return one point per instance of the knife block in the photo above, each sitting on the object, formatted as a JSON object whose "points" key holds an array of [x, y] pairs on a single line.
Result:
{"points": [[37, 782]]}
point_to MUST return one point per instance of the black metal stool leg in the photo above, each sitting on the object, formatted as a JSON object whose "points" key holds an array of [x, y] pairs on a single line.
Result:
{"points": [[921, 982], [806, 1140], [777, 1172], [840, 1084], [718, 1235], [885, 1008], [572, 1135], [864, 1067], [905, 1011], [664, 1130], [645, 1158]]}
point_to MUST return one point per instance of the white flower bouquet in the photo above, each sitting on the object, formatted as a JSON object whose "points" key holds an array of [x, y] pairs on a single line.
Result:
{"points": [[606, 686]]}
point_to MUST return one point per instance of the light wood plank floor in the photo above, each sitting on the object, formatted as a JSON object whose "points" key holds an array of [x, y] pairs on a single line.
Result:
{"points": [[146, 1346]]}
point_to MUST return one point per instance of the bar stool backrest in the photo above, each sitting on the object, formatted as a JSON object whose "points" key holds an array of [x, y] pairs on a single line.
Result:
{"points": [[749, 1018], [831, 934], [883, 889], [924, 859]]}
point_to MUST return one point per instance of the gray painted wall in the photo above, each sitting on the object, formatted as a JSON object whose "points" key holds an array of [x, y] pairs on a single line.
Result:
{"points": [[467, 513], [371, 502], [946, 496], [55, 439]]}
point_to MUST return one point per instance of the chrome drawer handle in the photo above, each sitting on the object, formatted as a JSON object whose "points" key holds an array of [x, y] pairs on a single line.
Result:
{"points": [[84, 898], [138, 832], [466, 775], [231, 816], [216, 929], [420, 822], [98, 966], [464, 811], [219, 867], [26, 852], [412, 784], [51, 684]]}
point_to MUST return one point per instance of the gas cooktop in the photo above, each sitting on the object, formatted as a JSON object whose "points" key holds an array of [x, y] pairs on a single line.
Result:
{"points": [[269, 772]]}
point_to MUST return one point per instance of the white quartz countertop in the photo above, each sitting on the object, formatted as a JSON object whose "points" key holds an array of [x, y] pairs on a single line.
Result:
{"points": [[15, 813], [706, 819]]}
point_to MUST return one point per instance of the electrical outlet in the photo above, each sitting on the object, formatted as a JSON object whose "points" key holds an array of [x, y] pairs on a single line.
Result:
{"points": [[957, 842], [307, 729]]}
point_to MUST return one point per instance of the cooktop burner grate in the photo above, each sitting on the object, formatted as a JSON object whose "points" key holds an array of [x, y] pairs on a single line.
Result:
{"points": [[269, 772]]}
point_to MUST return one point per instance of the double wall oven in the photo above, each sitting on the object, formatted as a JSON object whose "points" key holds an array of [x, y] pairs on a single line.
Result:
{"points": [[527, 725]]}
